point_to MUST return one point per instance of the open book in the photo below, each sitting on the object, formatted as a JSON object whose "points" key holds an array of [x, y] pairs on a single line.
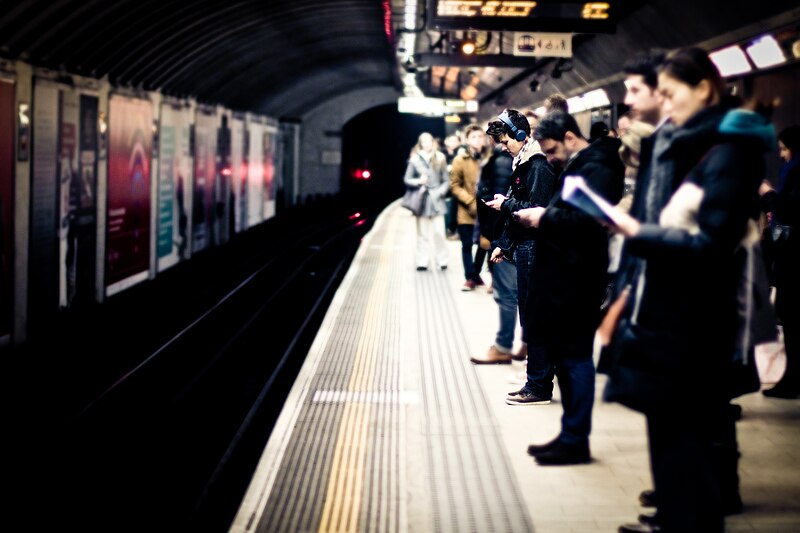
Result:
{"points": [[577, 193]]}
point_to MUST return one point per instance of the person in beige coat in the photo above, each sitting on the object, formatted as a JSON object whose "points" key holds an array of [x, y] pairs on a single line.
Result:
{"points": [[464, 176]]}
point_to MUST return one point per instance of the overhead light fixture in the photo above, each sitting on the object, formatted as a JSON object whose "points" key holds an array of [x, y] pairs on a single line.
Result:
{"points": [[596, 98], [766, 52], [730, 61], [467, 47], [534, 85], [576, 104]]}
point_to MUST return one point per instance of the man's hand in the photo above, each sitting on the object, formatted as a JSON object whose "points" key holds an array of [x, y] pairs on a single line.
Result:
{"points": [[496, 202], [529, 217], [497, 255]]}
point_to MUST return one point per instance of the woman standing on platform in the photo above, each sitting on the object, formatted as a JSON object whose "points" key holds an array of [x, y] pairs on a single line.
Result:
{"points": [[427, 167], [783, 202], [673, 348]]}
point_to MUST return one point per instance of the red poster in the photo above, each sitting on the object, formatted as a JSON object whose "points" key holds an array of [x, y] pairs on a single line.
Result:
{"points": [[129, 156], [7, 120]]}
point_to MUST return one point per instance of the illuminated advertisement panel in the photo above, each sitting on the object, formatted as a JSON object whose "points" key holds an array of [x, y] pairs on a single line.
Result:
{"points": [[205, 171], [43, 266], [129, 174], [515, 15], [222, 184], [174, 186], [6, 205], [69, 188], [255, 174], [270, 155], [238, 175]]}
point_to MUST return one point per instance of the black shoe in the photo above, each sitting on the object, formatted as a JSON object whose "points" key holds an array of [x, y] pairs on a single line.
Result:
{"points": [[649, 519], [422, 269], [525, 396], [783, 391], [647, 498], [638, 528], [564, 454], [536, 449], [443, 267]]}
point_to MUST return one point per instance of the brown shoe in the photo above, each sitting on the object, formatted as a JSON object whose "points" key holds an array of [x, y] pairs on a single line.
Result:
{"points": [[522, 354], [493, 357]]}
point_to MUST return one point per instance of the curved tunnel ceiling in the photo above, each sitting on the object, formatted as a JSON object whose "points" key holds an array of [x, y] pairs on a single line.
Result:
{"points": [[273, 57]]}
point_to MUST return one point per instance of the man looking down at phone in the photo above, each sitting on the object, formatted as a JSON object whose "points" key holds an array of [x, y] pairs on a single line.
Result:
{"points": [[532, 183], [571, 272]]}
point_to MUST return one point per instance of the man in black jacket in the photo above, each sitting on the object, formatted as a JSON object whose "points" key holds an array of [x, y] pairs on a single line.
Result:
{"points": [[570, 278]]}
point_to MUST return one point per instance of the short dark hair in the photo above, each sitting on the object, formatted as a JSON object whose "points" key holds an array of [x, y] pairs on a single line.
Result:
{"points": [[556, 102], [555, 126], [790, 137], [645, 64], [470, 128], [497, 128]]}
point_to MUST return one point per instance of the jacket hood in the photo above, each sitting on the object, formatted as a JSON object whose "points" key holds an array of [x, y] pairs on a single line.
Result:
{"points": [[746, 123], [529, 149]]}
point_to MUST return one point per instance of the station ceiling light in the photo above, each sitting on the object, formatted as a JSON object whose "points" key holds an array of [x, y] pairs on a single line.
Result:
{"points": [[730, 61], [766, 52]]}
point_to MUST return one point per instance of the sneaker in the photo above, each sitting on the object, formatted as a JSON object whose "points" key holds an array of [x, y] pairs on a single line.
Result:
{"points": [[469, 285], [525, 396]]}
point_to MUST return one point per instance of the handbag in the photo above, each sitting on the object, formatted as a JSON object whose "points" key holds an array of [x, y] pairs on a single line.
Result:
{"points": [[414, 199]]}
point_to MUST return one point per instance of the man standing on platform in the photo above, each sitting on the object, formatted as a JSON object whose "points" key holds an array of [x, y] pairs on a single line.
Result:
{"points": [[570, 274]]}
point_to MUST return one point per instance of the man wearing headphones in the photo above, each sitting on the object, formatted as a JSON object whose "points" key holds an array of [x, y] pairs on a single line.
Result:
{"points": [[532, 184]]}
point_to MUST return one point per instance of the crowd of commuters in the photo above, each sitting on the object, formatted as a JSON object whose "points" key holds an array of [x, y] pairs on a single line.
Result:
{"points": [[685, 169]]}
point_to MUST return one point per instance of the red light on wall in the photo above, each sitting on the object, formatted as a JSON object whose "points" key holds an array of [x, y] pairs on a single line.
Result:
{"points": [[362, 174]]}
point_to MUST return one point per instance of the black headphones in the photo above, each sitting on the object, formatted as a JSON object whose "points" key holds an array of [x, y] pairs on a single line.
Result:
{"points": [[518, 134]]}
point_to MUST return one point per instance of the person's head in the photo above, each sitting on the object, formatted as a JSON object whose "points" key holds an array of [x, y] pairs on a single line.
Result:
{"points": [[476, 139], [533, 118], [631, 145], [556, 102], [559, 137], [599, 129], [502, 133], [425, 142], [451, 143], [623, 123], [689, 81], [789, 143], [641, 87]]}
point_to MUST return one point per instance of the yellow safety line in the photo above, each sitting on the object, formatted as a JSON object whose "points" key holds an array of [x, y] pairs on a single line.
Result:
{"points": [[343, 497]]}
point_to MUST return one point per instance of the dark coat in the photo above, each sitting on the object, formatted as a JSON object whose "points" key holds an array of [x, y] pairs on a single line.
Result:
{"points": [[495, 179], [679, 331], [569, 276], [532, 184]]}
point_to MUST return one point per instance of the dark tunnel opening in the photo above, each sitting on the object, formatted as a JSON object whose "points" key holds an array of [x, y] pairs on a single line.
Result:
{"points": [[379, 141]]}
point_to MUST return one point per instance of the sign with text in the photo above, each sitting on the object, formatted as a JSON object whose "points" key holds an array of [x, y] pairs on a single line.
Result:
{"points": [[542, 44]]}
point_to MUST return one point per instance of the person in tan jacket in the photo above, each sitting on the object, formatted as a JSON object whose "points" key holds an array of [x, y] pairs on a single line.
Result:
{"points": [[464, 176]]}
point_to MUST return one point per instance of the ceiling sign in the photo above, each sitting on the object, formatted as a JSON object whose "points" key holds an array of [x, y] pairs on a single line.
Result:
{"points": [[436, 107], [542, 44], [514, 15]]}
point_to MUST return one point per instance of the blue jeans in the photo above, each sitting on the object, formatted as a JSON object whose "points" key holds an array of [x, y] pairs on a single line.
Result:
{"points": [[504, 283], [540, 370], [576, 378], [523, 258]]}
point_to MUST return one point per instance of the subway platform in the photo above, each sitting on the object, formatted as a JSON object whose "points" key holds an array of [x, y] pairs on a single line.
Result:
{"points": [[390, 428]]}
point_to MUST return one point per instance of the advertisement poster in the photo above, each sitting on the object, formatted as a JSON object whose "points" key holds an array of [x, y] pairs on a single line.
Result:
{"points": [[270, 151], [129, 155], [84, 200], [68, 191], [43, 265], [222, 184], [7, 118], [238, 176], [174, 187], [205, 170], [255, 175]]}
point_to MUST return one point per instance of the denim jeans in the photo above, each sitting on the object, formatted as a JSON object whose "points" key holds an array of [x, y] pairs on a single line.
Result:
{"points": [[523, 258], [576, 378], [504, 282]]}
